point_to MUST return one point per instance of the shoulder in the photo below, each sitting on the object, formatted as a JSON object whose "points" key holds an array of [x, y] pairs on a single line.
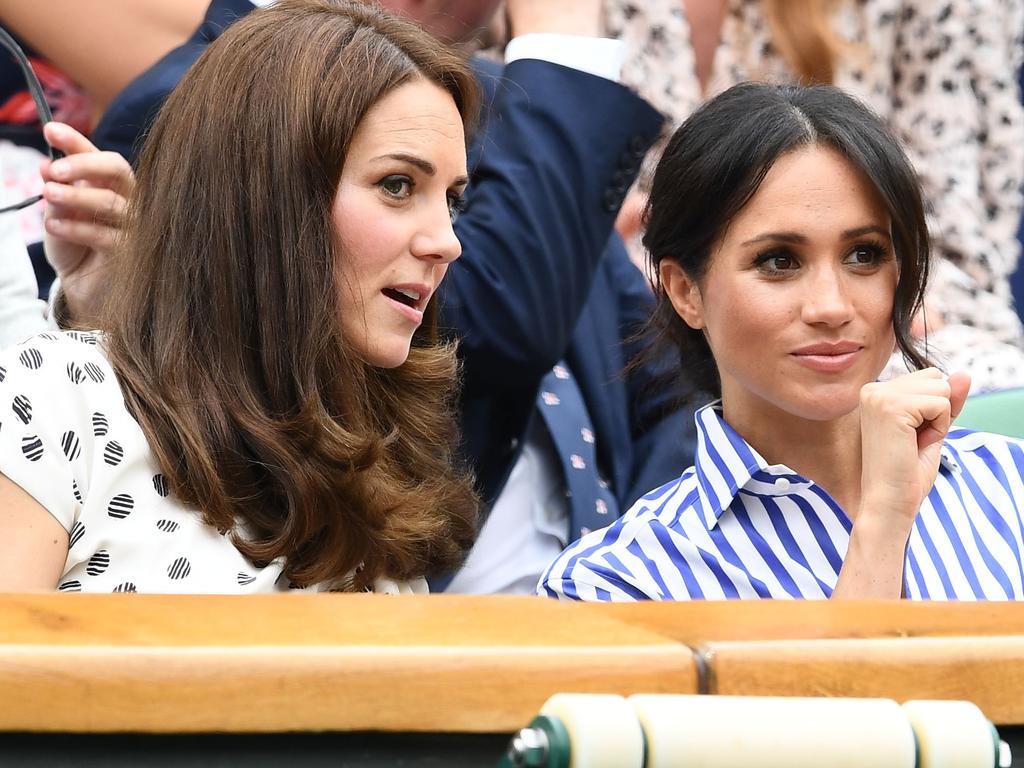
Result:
{"points": [[56, 392], [53, 389], [56, 357], [973, 441], [984, 457], [622, 562]]}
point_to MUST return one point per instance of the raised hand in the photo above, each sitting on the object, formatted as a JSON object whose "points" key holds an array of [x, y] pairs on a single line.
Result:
{"points": [[903, 423], [86, 196]]}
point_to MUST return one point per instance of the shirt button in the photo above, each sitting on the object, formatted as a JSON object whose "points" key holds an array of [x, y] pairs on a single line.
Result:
{"points": [[782, 484]]}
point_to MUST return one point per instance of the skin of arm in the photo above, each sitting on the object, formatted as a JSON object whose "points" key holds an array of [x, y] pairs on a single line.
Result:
{"points": [[78, 37], [903, 424], [33, 545]]}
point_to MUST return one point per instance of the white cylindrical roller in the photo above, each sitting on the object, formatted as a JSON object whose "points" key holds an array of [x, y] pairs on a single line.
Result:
{"points": [[952, 734], [773, 732], [603, 731]]}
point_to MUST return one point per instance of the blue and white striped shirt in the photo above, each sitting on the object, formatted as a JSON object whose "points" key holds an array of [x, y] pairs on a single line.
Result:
{"points": [[733, 526]]}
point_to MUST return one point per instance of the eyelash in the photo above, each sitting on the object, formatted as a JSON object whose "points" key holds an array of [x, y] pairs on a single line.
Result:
{"points": [[456, 205], [405, 180], [877, 250], [456, 200]]}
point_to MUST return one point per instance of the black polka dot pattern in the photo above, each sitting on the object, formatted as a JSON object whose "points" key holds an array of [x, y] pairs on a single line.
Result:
{"points": [[116, 502], [113, 453], [76, 534], [179, 569], [84, 338], [71, 445], [22, 408], [31, 359], [160, 485], [94, 372], [32, 447], [121, 506], [98, 563], [75, 373]]}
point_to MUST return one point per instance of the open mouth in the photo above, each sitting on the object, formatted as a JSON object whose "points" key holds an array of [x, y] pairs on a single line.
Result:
{"points": [[403, 296]]}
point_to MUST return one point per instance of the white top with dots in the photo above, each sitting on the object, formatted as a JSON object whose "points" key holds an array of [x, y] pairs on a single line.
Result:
{"points": [[68, 440]]}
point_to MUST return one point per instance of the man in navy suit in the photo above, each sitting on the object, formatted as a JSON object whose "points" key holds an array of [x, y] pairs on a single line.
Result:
{"points": [[542, 279]]}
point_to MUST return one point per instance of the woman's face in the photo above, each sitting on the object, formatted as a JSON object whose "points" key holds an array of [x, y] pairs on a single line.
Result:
{"points": [[797, 302], [399, 190]]}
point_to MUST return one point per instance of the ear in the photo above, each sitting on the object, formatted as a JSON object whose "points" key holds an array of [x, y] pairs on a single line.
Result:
{"points": [[683, 292]]}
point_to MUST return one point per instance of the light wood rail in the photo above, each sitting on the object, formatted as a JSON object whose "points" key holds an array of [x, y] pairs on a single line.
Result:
{"points": [[699, 621], [987, 670], [274, 663], [892, 649]]}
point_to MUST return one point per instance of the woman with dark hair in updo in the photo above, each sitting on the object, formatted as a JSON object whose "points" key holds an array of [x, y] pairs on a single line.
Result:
{"points": [[787, 232], [265, 405]]}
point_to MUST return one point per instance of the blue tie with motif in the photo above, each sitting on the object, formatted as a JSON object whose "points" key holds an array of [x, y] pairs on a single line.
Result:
{"points": [[591, 503]]}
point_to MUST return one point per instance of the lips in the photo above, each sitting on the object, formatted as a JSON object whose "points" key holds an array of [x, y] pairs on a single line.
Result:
{"points": [[829, 356], [410, 299]]}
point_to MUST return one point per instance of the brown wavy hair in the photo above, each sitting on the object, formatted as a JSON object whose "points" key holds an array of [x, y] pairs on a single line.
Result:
{"points": [[224, 320]]}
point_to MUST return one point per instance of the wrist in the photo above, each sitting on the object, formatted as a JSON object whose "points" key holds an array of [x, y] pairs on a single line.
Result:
{"points": [[874, 540]]}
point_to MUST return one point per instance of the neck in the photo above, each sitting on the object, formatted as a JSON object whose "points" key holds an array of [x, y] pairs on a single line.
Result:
{"points": [[826, 452]]}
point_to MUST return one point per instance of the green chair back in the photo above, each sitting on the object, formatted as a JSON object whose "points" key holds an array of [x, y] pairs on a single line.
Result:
{"points": [[999, 412]]}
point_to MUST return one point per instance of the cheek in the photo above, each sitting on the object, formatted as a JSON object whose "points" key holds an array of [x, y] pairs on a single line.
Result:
{"points": [[365, 243], [745, 316]]}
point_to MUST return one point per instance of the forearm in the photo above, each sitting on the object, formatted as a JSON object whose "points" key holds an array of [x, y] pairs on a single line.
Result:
{"points": [[874, 562], [81, 41]]}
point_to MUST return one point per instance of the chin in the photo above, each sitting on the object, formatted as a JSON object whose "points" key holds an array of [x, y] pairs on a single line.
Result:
{"points": [[824, 405], [387, 355]]}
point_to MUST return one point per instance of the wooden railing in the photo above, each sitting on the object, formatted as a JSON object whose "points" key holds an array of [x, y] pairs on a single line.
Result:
{"points": [[173, 664]]}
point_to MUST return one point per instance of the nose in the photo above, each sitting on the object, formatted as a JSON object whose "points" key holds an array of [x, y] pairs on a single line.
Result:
{"points": [[435, 238], [827, 299]]}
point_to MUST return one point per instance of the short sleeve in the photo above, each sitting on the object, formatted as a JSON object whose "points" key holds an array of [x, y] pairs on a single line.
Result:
{"points": [[48, 386]]}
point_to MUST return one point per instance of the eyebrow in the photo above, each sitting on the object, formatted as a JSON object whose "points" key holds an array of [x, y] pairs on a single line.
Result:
{"points": [[795, 237], [424, 165]]}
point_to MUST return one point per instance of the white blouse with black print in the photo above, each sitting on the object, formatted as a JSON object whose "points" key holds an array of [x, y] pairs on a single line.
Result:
{"points": [[69, 441]]}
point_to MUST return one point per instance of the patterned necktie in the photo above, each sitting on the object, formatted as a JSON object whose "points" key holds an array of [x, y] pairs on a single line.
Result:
{"points": [[591, 503]]}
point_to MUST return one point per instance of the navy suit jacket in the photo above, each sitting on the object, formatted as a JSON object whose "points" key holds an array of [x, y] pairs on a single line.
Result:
{"points": [[553, 282], [541, 278]]}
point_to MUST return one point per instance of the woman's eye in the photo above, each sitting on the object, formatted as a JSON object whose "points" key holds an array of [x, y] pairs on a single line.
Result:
{"points": [[866, 255], [776, 262], [456, 205], [396, 186]]}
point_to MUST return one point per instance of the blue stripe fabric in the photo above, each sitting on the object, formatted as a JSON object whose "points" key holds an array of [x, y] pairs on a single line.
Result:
{"points": [[733, 526]]}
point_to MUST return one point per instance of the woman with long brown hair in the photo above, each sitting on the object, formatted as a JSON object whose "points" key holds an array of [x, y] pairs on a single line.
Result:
{"points": [[943, 78], [266, 403]]}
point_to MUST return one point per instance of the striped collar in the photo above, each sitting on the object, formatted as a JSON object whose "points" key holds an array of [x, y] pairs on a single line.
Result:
{"points": [[725, 464]]}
